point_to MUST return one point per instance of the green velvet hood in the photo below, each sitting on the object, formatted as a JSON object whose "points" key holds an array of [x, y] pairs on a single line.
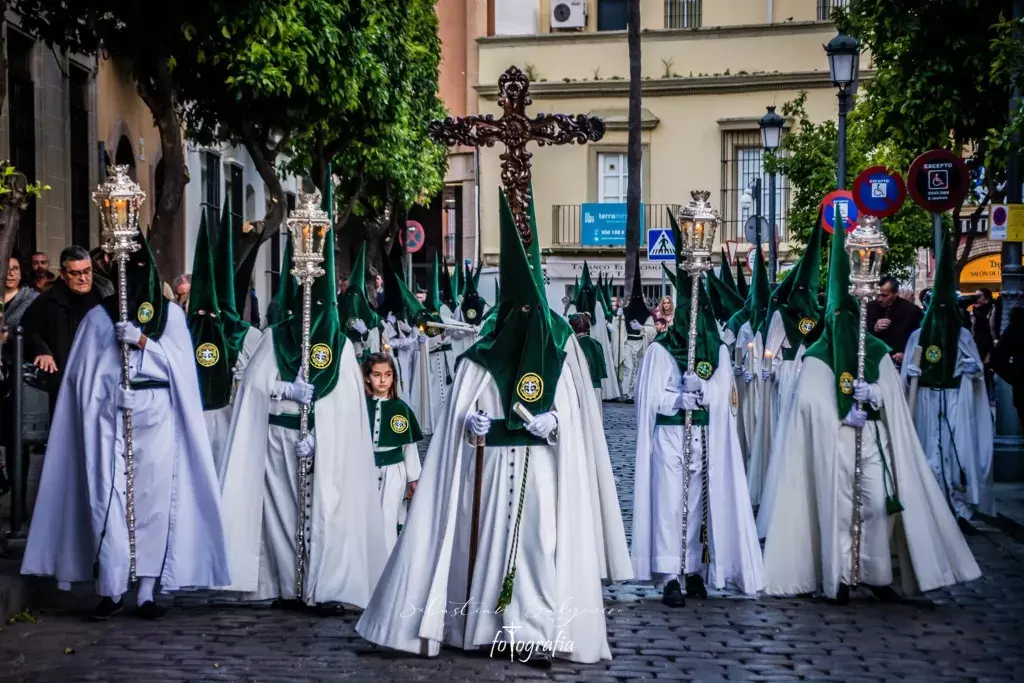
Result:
{"points": [[354, 303], [755, 308], [940, 329], [206, 326], [147, 306], [796, 297], [228, 285]]}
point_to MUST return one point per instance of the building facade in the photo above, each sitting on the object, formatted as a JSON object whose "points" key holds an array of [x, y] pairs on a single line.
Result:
{"points": [[709, 70]]}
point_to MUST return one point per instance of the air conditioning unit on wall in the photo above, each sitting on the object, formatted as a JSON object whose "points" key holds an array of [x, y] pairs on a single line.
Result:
{"points": [[568, 13]]}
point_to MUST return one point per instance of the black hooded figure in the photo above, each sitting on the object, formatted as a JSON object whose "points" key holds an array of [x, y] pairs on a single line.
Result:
{"points": [[637, 331]]}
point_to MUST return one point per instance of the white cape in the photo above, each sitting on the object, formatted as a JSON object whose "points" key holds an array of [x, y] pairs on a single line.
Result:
{"points": [[218, 422], [802, 550], [426, 575], [969, 419], [70, 513], [735, 552], [346, 545]]}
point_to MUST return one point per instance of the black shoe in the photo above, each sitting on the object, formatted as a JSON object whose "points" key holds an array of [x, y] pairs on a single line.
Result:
{"points": [[673, 594], [843, 595], [966, 528], [695, 587], [287, 604], [106, 609], [150, 611], [328, 609], [886, 593], [539, 660]]}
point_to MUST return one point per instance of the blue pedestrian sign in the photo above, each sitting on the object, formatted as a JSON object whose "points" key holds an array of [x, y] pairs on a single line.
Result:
{"points": [[877, 191], [660, 246], [840, 201]]}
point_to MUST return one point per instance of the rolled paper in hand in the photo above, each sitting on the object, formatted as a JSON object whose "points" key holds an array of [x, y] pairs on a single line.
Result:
{"points": [[739, 355], [524, 414]]}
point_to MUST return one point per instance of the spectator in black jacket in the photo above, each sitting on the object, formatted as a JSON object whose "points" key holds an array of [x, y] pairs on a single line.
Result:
{"points": [[51, 321], [892, 318]]}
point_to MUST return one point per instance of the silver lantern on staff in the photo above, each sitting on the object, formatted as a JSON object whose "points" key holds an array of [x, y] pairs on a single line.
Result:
{"points": [[308, 225], [119, 200], [866, 247], [698, 222]]}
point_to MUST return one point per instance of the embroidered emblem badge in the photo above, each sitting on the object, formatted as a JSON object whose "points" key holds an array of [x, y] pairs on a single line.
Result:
{"points": [[399, 424], [846, 383], [145, 313], [704, 369], [806, 325], [320, 356], [530, 387], [933, 354], [471, 314], [207, 355]]}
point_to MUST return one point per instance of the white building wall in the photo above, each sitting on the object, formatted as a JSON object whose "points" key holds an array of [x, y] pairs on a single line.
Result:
{"points": [[250, 178]]}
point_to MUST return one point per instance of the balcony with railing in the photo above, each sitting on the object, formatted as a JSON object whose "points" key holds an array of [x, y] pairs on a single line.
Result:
{"points": [[580, 226]]}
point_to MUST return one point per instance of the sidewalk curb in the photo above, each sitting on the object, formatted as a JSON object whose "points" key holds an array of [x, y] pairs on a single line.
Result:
{"points": [[1007, 525]]}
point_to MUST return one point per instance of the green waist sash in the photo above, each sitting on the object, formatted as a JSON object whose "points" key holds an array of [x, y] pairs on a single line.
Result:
{"points": [[500, 436], [139, 385], [443, 347], [700, 419], [290, 421], [388, 456]]}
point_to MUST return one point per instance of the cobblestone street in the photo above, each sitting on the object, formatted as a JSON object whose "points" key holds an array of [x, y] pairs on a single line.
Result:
{"points": [[970, 633]]}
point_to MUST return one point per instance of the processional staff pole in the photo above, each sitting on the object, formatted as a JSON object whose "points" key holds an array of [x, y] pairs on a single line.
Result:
{"points": [[119, 199], [513, 129], [698, 222], [866, 247], [308, 225]]}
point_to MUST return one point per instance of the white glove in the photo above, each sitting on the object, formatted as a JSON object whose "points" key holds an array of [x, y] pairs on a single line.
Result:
{"points": [[127, 333], [404, 327], [864, 392], [239, 372], [297, 391], [969, 366], [913, 370], [737, 370], [306, 447], [391, 318], [542, 425], [691, 382], [620, 313], [421, 338], [688, 400], [359, 326], [635, 326], [125, 398], [748, 376], [478, 424], [856, 418], [767, 374]]}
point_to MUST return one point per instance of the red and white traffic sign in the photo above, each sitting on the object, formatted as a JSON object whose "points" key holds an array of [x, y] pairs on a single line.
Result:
{"points": [[413, 237]]}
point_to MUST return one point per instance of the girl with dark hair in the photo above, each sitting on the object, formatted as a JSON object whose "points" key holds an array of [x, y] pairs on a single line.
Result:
{"points": [[395, 433]]}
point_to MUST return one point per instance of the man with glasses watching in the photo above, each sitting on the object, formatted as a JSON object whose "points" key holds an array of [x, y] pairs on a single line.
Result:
{"points": [[51, 321], [892, 318]]}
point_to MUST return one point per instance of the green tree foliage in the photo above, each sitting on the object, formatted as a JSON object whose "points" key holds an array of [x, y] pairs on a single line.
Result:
{"points": [[809, 162]]}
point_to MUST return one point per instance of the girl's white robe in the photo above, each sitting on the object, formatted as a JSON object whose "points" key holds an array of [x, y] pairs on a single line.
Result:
{"points": [[749, 394], [571, 532], [346, 547], [79, 511], [965, 431], [735, 552], [808, 547], [631, 352], [218, 422]]}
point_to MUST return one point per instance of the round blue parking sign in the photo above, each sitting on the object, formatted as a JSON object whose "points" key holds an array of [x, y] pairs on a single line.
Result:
{"points": [[877, 191], [841, 202]]}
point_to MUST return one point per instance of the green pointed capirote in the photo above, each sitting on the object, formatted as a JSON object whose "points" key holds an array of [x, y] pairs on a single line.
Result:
{"points": [[796, 297], [940, 328], [524, 350], [458, 286], [326, 341], [472, 305], [446, 288], [396, 293], [606, 299], [670, 275], [741, 280], [725, 273], [147, 307], [725, 302], [206, 326], [755, 308], [354, 304], [476, 274], [433, 300], [586, 294], [224, 273], [837, 346]]}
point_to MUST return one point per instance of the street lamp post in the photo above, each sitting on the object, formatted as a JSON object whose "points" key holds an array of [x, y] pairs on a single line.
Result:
{"points": [[843, 64], [771, 135]]}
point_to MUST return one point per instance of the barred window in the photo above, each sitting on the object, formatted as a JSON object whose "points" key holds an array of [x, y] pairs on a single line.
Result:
{"points": [[827, 7], [682, 13], [742, 164]]}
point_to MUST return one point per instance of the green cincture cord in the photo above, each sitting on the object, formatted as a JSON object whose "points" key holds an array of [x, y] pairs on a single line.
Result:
{"points": [[892, 496], [705, 555], [505, 596]]}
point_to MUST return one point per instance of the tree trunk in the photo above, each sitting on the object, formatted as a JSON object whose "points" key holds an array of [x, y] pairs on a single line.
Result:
{"points": [[634, 149], [157, 91]]}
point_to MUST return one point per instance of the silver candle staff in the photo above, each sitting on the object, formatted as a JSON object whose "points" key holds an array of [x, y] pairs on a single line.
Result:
{"points": [[866, 247], [697, 225], [308, 225], [119, 199]]}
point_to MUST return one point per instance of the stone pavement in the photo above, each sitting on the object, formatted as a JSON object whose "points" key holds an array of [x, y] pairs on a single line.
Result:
{"points": [[969, 633]]}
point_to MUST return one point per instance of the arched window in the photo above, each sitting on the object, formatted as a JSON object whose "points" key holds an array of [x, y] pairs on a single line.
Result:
{"points": [[125, 156]]}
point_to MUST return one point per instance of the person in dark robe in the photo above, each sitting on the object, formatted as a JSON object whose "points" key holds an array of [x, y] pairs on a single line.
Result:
{"points": [[892, 318]]}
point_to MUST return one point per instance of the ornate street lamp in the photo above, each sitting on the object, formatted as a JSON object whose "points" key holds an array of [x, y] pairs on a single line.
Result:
{"points": [[843, 66], [771, 136]]}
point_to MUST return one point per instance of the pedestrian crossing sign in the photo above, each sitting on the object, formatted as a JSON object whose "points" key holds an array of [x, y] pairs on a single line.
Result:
{"points": [[660, 246]]}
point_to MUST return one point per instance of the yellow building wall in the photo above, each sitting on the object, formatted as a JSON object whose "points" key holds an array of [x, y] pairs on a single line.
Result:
{"points": [[120, 111]]}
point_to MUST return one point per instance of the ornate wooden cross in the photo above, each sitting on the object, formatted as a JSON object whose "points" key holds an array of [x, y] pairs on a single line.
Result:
{"points": [[514, 129]]}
